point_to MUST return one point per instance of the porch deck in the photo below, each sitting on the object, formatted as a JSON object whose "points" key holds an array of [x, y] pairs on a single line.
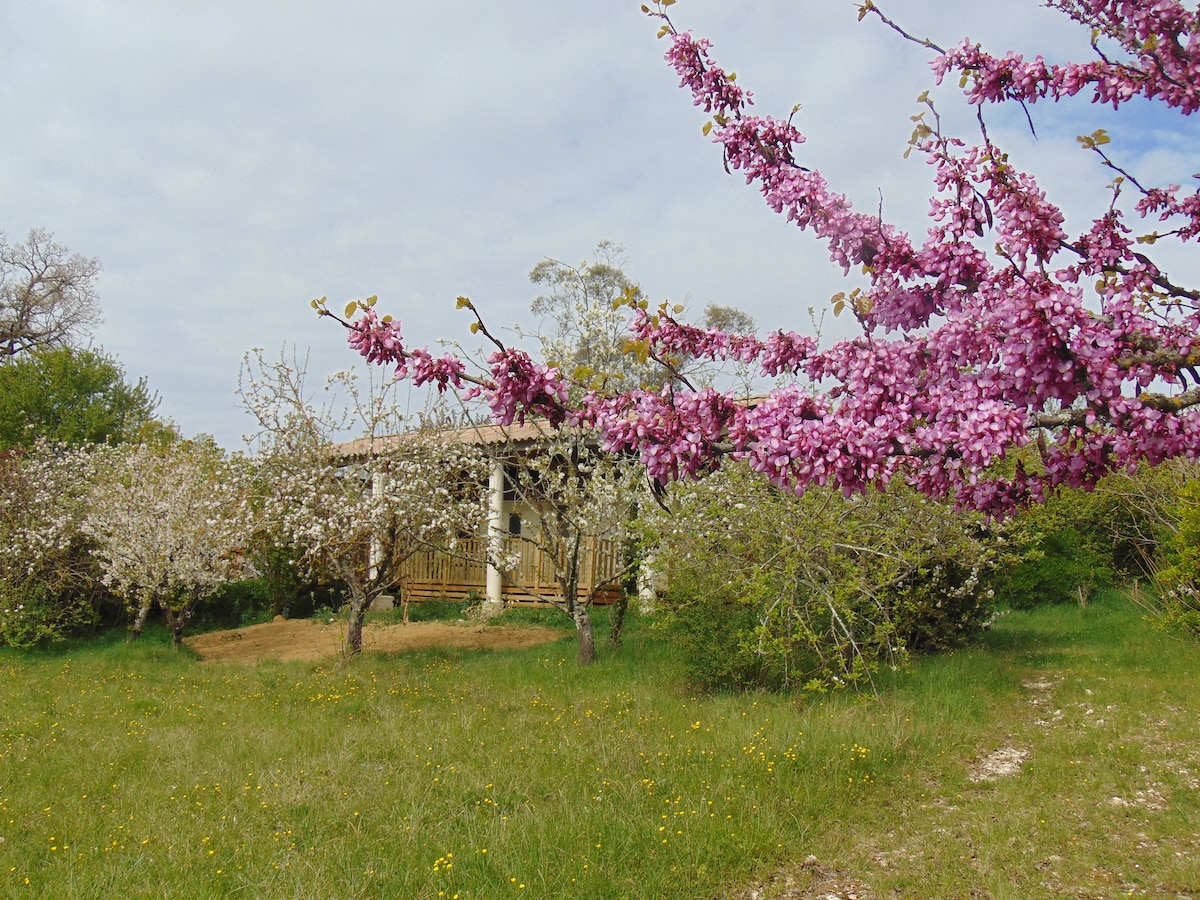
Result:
{"points": [[454, 576]]}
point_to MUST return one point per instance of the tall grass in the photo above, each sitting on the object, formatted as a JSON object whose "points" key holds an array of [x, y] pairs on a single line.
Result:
{"points": [[129, 770]]}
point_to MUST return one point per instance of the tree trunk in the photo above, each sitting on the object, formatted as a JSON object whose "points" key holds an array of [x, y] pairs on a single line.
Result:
{"points": [[139, 622], [618, 618], [354, 626], [360, 599], [587, 639], [175, 621], [629, 583]]}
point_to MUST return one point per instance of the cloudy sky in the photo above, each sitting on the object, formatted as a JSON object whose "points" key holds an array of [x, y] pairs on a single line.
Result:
{"points": [[230, 160]]}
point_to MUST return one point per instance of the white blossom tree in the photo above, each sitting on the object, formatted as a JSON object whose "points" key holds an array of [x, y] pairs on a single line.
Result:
{"points": [[361, 509], [169, 524], [582, 497]]}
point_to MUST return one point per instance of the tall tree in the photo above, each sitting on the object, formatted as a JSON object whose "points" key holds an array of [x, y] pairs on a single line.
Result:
{"points": [[47, 295], [583, 330], [997, 329], [72, 397]]}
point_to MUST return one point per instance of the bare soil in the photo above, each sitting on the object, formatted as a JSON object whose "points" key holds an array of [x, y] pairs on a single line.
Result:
{"points": [[311, 641]]}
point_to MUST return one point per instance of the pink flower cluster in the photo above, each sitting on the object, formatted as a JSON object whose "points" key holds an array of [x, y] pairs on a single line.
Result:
{"points": [[1160, 39], [380, 342], [521, 387], [677, 434], [999, 330], [781, 353]]}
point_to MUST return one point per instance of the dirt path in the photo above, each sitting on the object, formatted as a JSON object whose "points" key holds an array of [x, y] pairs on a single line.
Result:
{"points": [[307, 640]]}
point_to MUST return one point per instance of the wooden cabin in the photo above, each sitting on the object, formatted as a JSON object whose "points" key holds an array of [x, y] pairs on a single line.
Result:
{"points": [[464, 572]]}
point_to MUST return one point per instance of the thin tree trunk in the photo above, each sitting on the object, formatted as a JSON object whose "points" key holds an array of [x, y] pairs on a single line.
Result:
{"points": [[139, 622], [629, 583], [618, 618], [587, 638], [360, 599], [175, 621], [354, 627]]}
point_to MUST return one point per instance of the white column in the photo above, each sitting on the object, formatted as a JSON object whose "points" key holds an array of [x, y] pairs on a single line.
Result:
{"points": [[495, 589], [375, 553]]}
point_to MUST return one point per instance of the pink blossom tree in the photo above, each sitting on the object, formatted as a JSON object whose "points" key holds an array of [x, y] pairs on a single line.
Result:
{"points": [[997, 329]]}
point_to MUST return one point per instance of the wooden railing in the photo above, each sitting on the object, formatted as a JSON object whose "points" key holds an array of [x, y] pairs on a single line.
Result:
{"points": [[453, 575]]}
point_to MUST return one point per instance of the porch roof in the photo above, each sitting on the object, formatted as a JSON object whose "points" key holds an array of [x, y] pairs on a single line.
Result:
{"points": [[533, 431]]}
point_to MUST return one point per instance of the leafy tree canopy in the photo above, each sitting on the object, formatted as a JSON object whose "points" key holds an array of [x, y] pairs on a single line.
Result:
{"points": [[71, 397]]}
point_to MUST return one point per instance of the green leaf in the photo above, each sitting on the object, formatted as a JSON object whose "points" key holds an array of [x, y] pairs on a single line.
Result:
{"points": [[463, 303], [351, 308]]}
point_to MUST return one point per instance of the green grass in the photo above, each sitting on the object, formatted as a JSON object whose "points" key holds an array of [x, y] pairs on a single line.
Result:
{"points": [[129, 770]]}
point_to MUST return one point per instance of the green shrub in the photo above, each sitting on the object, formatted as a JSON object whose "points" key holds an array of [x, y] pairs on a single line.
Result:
{"points": [[708, 657], [1055, 567], [1178, 575], [1080, 541], [771, 590], [1180, 608], [31, 613]]}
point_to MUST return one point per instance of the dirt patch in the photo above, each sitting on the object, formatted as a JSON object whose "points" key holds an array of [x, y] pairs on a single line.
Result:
{"points": [[1002, 763], [809, 881], [310, 641]]}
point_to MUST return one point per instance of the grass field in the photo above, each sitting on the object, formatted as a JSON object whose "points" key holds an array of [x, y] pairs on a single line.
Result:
{"points": [[132, 771]]}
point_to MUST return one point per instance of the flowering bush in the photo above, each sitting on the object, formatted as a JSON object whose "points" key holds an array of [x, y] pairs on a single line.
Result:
{"points": [[48, 580]]}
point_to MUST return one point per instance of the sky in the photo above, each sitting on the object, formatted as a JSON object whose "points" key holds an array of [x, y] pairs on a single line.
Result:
{"points": [[229, 161]]}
